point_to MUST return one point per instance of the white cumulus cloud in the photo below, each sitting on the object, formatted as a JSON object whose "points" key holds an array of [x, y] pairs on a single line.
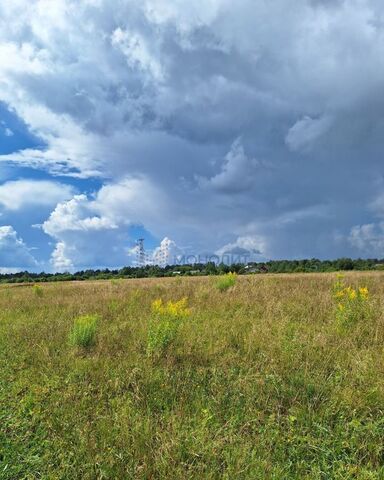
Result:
{"points": [[305, 132], [248, 247], [95, 230], [368, 238], [14, 253], [19, 194]]}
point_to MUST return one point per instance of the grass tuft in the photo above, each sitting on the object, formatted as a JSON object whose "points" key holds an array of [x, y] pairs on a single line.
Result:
{"points": [[226, 281], [83, 333], [164, 325], [38, 290]]}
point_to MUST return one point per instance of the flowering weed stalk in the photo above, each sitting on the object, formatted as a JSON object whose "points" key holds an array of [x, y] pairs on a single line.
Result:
{"points": [[83, 333], [38, 290], [352, 304], [226, 281], [165, 323]]}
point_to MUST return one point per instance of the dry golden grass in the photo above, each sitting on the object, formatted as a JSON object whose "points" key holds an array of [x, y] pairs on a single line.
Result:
{"points": [[259, 383]]}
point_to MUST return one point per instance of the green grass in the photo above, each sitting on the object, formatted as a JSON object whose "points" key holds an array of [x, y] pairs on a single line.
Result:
{"points": [[226, 281], [83, 333], [39, 292], [258, 383]]}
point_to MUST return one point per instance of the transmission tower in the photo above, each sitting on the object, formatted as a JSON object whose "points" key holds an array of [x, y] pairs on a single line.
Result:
{"points": [[164, 254], [140, 253]]}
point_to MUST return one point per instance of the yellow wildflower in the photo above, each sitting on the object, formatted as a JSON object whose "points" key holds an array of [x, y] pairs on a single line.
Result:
{"points": [[340, 294], [352, 293], [178, 309], [363, 291], [171, 309], [157, 306]]}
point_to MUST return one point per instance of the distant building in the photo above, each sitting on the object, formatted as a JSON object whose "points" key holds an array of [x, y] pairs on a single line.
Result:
{"points": [[256, 269]]}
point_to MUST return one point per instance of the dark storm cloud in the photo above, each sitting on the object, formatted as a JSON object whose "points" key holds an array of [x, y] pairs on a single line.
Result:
{"points": [[264, 119]]}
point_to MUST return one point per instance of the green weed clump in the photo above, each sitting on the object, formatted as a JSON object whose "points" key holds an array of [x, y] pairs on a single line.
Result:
{"points": [[164, 326], [226, 281], [83, 333], [38, 291], [353, 304]]}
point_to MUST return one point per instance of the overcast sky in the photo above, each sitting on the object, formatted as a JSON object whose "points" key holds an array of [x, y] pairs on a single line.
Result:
{"points": [[254, 124]]}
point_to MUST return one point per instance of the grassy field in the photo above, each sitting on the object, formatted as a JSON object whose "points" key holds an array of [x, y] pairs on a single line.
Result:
{"points": [[271, 378]]}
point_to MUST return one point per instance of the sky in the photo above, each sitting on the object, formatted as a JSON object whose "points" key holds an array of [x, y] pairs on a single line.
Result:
{"points": [[248, 126]]}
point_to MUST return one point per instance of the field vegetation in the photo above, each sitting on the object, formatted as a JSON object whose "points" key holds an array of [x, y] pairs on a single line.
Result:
{"points": [[272, 377]]}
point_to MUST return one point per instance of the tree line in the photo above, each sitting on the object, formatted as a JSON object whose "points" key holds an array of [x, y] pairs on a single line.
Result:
{"points": [[210, 268]]}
